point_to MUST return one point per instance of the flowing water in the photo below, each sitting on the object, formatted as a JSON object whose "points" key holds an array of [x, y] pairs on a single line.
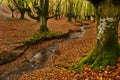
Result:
{"points": [[37, 61]]}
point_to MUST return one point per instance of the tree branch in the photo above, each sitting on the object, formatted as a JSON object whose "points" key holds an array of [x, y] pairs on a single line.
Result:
{"points": [[49, 17]]}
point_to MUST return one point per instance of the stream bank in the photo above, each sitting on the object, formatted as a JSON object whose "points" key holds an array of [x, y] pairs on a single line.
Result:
{"points": [[37, 61]]}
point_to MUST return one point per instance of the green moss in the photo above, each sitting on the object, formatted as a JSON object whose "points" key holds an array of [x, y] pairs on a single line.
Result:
{"points": [[43, 28], [106, 50], [40, 36], [48, 35], [96, 60], [100, 56], [103, 59]]}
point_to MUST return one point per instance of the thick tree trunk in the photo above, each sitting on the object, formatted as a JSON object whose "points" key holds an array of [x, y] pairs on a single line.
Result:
{"points": [[106, 50], [44, 15], [107, 33], [43, 24]]}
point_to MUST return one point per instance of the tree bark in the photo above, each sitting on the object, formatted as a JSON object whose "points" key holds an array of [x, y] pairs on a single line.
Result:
{"points": [[106, 50], [12, 14], [22, 14], [69, 18], [43, 24], [21, 8], [44, 15]]}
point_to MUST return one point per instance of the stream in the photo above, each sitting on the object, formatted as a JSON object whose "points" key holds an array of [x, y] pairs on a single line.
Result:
{"points": [[37, 61]]}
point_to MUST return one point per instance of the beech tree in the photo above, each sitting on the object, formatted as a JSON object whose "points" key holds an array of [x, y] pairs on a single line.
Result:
{"points": [[34, 9], [44, 5], [106, 49], [12, 7], [77, 10], [69, 9], [42, 11], [88, 11], [58, 9], [21, 6]]}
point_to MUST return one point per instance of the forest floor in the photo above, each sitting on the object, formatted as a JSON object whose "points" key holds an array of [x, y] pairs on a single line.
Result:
{"points": [[14, 31]]}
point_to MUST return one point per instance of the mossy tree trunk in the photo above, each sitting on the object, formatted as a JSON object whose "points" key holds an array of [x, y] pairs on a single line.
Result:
{"points": [[105, 52], [44, 4], [21, 7], [41, 7], [106, 49], [43, 24]]}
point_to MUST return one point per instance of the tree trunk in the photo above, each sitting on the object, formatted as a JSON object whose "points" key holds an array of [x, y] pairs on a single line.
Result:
{"points": [[106, 48], [44, 15], [43, 24], [105, 52], [22, 14], [69, 19], [12, 14]]}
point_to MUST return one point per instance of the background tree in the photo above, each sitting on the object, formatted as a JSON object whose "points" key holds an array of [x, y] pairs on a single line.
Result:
{"points": [[40, 8], [88, 11], [77, 9], [44, 6], [58, 9], [106, 50], [1, 1], [33, 9], [52, 5], [12, 7], [21, 6], [69, 9]]}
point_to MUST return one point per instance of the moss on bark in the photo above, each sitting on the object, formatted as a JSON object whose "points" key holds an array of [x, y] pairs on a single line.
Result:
{"points": [[96, 60], [106, 49], [43, 28]]}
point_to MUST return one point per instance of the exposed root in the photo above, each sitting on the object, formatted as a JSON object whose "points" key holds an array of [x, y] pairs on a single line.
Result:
{"points": [[6, 57], [97, 61]]}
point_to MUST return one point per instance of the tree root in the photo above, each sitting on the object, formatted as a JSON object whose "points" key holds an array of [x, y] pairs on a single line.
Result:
{"points": [[6, 57], [97, 61]]}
